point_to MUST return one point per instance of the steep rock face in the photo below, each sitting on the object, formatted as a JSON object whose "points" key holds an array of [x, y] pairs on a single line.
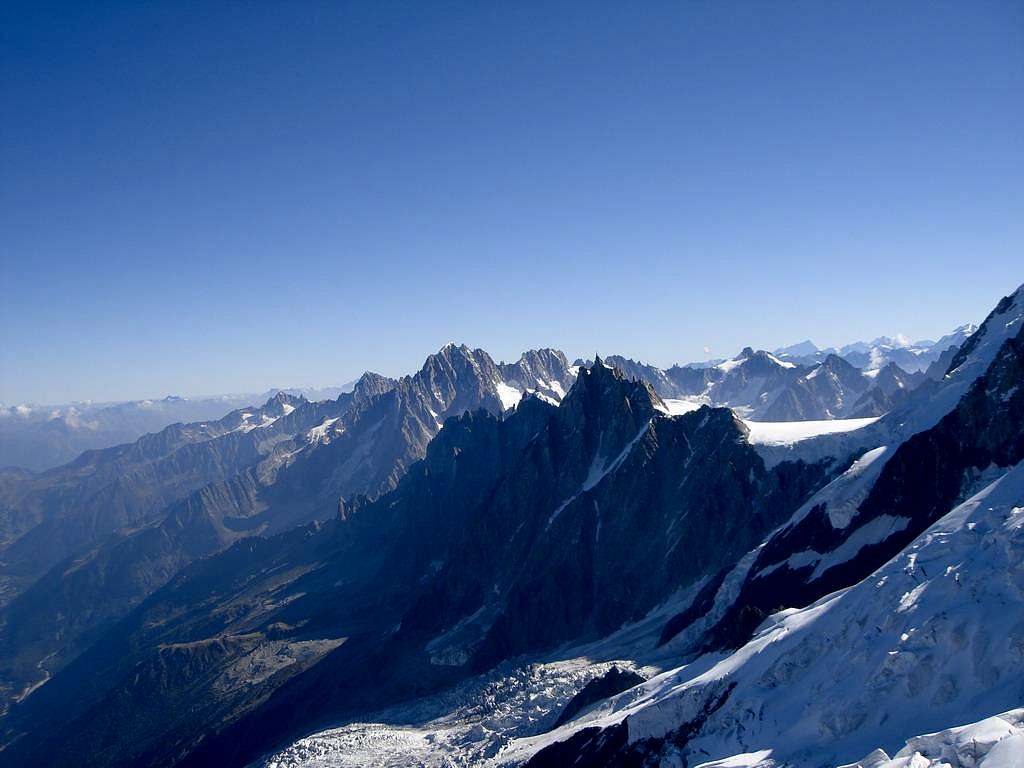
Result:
{"points": [[752, 381], [837, 390], [938, 368], [658, 379], [891, 387], [586, 440], [545, 371], [827, 392], [511, 535], [689, 380], [372, 447], [613, 681], [562, 554], [545, 562]]}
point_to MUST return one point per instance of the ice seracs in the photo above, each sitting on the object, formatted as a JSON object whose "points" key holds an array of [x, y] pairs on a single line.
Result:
{"points": [[995, 742]]}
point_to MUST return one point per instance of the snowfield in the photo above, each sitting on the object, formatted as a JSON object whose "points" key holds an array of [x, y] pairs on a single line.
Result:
{"points": [[789, 432], [775, 433], [679, 407], [508, 395]]}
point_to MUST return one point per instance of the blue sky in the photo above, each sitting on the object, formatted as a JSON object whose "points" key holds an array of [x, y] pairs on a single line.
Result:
{"points": [[211, 197]]}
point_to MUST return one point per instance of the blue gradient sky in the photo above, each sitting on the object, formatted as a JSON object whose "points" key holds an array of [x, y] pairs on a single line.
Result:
{"points": [[225, 197]]}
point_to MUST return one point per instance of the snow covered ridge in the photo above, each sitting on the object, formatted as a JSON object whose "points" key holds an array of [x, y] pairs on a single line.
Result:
{"points": [[995, 742], [935, 636]]}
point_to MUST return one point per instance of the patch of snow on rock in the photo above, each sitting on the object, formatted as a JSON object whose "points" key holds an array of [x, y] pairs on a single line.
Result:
{"points": [[508, 395], [677, 407]]}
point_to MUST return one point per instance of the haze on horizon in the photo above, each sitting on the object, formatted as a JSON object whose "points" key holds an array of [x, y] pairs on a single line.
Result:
{"points": [[219, 199]]}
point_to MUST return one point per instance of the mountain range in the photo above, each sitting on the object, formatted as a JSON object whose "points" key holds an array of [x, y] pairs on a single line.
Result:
{"points": [[910, 356], [38, 438], [798, 557]]}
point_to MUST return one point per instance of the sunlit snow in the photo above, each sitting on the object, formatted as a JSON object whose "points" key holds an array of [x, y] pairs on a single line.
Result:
{"points": [[679, 407], [788, 432], [508, 395]]}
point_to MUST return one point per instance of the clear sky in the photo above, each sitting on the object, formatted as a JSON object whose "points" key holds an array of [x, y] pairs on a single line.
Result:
{"points": [[212, 196]]}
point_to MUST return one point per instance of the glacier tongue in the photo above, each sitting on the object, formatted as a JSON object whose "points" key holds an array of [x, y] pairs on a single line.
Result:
{"points": [[466, 726]]}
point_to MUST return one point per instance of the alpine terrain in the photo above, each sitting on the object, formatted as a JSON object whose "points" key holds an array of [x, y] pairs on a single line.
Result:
{"points": [[794, 558]]}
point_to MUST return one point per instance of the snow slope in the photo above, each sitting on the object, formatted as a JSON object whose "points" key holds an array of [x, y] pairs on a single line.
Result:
{"points": [[677, 407], [935, 636], [789, 432]]}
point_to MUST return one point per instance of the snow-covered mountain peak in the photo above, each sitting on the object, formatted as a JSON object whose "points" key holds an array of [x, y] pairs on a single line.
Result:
{"points": [[371, 384], [834, 362], [899, 341], [761, 357], [800, 349]]}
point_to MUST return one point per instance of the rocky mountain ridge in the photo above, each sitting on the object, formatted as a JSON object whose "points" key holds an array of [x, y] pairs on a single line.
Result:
{"points": [[489, 494], [296, 471]]}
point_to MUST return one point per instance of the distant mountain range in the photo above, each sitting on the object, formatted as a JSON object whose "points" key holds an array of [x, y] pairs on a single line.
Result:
{"points": [[764, 387], [38, 437], [910, 356], [41, 437], [536, 562]]}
